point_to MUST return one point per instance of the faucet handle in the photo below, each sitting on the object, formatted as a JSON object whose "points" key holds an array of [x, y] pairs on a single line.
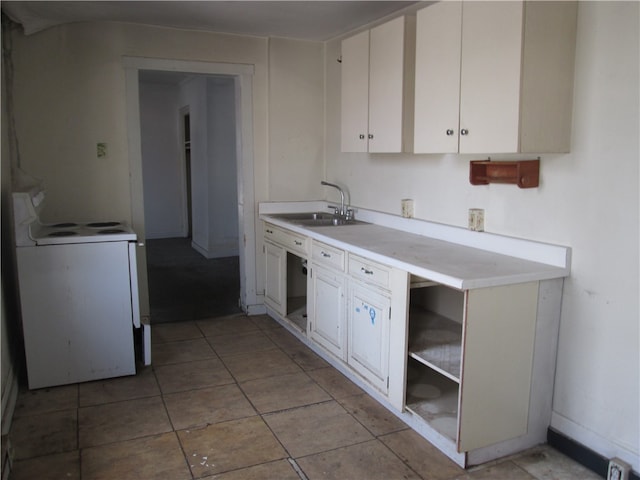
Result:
{"points": [[349, 215], [336, 210]]}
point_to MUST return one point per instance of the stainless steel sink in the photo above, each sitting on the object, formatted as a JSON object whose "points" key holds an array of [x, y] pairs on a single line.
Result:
{"points": [[315, 219]]}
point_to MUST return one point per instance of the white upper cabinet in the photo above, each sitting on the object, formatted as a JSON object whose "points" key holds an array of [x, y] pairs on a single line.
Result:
{"points": [[377, 85], [437, 95], [494, 77], [355, 93]]}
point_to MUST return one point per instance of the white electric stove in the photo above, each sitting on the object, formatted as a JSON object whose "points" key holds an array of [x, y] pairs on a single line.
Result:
{"points": [[79, 296]]}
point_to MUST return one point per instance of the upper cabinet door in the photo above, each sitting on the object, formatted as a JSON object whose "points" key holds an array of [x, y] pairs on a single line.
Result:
{"points": [[437, 85], [492, 34], [494, 77], [355, 93], [386, 77], [377, 88]]}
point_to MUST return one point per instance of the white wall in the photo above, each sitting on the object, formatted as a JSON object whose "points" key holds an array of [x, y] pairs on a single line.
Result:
{"points": [[70, 94], [296, 130], [222, 166], [163, 176], [587, 199], [211, 102], [193, 92]]}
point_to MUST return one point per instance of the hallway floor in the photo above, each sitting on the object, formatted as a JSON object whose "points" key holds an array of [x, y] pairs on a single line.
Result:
{"points": [[236, 397], [184, 285]]}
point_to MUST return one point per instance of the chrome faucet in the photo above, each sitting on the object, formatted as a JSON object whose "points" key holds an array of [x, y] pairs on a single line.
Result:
{"points": [[345, 214]]}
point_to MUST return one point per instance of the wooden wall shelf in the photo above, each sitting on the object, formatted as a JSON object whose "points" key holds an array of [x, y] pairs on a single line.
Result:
{"points": [[524, 173]]}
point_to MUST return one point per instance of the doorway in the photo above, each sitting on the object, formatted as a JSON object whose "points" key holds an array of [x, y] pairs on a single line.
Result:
{"points": [[243, 204], [186, 152], [188, 131]]}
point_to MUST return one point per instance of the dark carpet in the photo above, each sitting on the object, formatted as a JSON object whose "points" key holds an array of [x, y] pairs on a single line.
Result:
{"points": [[184, 285]]}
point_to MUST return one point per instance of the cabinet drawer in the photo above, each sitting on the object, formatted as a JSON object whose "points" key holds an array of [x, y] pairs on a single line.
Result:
{"points": [[289, 240], [369, 271], [323, 254]]}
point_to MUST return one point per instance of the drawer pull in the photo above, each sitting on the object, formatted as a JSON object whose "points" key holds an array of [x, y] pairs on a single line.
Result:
{"points": [[297, 242], [365, 271], [325, 254], [269, 231]]}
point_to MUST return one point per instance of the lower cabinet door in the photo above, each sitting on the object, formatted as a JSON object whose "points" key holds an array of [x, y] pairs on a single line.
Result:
{"points": [[368, 344], [275, 290], [327, 315]]}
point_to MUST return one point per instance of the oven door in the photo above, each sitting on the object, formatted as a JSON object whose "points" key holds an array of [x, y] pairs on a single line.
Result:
{"points": [[76, 312]]}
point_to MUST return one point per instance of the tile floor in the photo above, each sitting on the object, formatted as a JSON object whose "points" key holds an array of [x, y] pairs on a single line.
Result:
{"points": [[236, 398]]}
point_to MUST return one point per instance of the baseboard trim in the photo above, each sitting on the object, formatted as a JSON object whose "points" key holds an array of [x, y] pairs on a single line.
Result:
{"points": [[581, 454]]}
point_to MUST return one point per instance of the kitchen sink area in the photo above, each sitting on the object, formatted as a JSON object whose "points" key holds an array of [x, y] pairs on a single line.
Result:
{"points": [[316, 219], [385, 300]]}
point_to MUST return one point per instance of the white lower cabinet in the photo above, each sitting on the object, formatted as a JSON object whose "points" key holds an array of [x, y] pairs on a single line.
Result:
{"points": [[285, 290], [350, 313], [470, 370], [368, 345], [276, 279], [326, 310], [470, 357]]}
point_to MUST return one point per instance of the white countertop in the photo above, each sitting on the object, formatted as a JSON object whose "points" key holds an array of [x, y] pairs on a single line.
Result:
{"points": [[446, 262]]}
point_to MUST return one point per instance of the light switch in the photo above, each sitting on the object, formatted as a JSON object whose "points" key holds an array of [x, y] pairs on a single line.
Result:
{"points": [[101, 150]]}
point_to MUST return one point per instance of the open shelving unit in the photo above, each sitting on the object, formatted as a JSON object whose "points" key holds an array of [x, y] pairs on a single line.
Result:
{"points": [[435, 341], [435, 353]]}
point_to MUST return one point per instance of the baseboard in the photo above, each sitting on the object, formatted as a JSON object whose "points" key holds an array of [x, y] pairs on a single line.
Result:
{"points": [[581, 454]]}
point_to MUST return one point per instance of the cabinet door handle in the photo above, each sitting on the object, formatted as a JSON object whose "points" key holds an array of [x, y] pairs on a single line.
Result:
{"points": [[464, 131], [449, 132], [370, 136], [366, 271], [361, 136], [325, 254]]}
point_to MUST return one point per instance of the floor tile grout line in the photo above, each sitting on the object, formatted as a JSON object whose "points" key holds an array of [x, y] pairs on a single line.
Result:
{"points": [[297, 468], [184, 453], [395, 454], [365, 394]]}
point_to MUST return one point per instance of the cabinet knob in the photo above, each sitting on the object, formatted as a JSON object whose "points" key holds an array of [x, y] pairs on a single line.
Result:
{"points": [[449, 132], [361, 136], [370, 136], [464, 131]]}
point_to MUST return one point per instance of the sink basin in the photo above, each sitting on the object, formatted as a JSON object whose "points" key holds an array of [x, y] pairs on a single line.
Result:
{"points": [[315, 219]]}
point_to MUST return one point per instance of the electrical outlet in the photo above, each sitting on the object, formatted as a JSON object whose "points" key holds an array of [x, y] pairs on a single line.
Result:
{"points": [[407, 207], [618, 470], [476, 219]]}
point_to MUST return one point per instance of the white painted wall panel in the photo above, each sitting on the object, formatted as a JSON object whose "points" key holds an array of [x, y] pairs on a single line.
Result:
{"points": [[161, 164]]}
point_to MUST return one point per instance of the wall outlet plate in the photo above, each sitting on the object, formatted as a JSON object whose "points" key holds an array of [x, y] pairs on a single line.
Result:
{"points": [[407, 207], [476, 219], [618, 470]]}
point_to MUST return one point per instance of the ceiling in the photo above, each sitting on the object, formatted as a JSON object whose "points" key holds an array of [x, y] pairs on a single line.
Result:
{"points": [[305, 20]]}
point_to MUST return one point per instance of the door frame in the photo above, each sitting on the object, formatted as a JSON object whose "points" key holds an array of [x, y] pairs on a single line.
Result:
{"points": [[243, 80], [183, 113]]}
